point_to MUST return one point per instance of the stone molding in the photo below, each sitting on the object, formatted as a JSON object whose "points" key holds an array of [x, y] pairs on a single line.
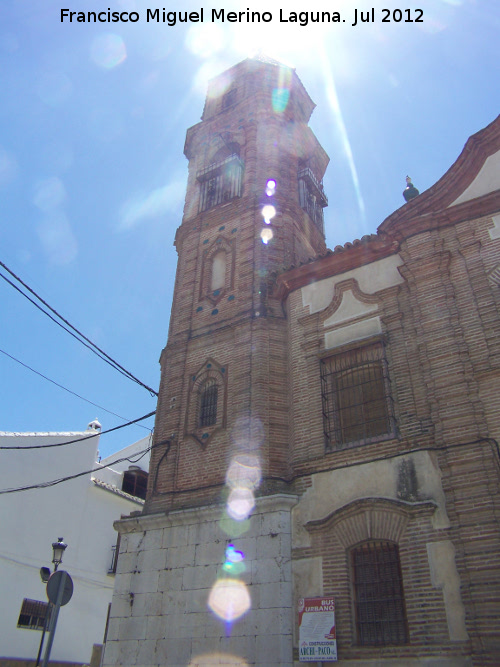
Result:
{"points": [[134, 524]]}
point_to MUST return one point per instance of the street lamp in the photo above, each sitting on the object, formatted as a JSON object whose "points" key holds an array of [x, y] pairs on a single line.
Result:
{"points": [[58, 549]]}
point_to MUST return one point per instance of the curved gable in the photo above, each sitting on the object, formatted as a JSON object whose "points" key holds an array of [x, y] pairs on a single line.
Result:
{"points": [[470, 188]]}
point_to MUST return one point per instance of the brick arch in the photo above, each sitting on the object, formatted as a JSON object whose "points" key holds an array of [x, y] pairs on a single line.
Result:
{"points": [[229, 148], [371, 519], [351, 284]]}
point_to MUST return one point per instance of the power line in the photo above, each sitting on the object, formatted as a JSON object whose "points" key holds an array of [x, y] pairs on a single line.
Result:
{"points": [[65, 388], [60, 480], [62, 326], [93, 435], [88, 344]]}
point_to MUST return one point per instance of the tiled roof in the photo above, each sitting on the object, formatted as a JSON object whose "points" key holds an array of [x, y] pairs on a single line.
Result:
{"points": [[336, 251], [114, 489]]}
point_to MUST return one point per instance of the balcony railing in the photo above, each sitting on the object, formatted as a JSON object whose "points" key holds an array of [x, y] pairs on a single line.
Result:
{"points": [[312, 197], [307, 175]]}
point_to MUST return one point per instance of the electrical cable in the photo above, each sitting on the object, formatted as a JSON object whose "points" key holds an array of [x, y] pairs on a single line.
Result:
{"points": [[66, 389], [60, 480], [86, 437], [88, 344]]}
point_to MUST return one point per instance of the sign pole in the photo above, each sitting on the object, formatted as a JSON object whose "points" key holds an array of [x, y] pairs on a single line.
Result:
{"points": [[53, 617], [45, 625]]}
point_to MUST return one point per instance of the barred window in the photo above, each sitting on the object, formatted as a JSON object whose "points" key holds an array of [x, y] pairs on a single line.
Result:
{"points": [[355, 394], [378, 594], [208, 403], [220, 182], [32, 615]]}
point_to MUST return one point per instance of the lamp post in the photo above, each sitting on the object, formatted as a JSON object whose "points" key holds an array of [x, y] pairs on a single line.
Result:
{"points": [[58, 549]]}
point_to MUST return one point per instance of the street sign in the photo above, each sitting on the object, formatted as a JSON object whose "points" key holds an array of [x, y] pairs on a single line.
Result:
{"points": [[53, 587], [317, 636]]}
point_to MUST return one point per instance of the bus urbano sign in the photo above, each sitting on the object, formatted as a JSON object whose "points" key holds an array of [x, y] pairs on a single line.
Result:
{"points": [[317, 637]]}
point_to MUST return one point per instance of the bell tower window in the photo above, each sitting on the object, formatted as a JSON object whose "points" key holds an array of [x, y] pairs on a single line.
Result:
{"points": [[229, 99], [220, 182]]}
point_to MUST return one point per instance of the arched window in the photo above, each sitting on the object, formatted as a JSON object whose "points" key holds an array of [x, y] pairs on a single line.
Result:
{"points": [[378, 594], [208, 403], [221, 180]]}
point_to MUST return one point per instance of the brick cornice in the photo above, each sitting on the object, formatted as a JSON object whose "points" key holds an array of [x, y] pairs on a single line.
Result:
{"points": [[342, 259]]}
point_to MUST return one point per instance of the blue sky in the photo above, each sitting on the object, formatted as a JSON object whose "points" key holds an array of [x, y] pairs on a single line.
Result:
{"points": [[92, 172]]}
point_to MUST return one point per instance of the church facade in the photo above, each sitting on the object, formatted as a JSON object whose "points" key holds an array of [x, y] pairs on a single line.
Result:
{"points": [[328, 421]]}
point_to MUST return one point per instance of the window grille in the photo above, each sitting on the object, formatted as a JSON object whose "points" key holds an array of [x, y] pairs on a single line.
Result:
{"points": [[312, 197], [208, 403], [378, 594], [220, 182], [357, 405], [32, 615]]}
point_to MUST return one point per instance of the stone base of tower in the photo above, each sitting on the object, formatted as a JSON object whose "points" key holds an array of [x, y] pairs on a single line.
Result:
{"points": [[181, 590]]}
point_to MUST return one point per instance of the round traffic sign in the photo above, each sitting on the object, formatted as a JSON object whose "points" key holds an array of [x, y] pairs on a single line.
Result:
{"points": [[57, 579]]}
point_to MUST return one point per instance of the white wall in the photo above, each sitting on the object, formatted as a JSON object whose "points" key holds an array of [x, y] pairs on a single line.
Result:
{"points": [[77, 510]]}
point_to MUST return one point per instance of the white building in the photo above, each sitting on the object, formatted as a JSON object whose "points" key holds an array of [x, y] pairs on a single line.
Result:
{"points": [[82, 511]]}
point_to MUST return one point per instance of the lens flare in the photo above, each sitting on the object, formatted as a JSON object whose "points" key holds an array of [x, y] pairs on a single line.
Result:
{"points": [[49, 194], [280, 99], [247, 434], [57, 238], [234, 561], [53, 88], [244, 472], [270, 187], [234, 569], [8, 167], [268, 213], [229, 599], [266, 235], [240, 504], [108, 50], [205, 40], [333, 100], [233, 528], [233, 555]]}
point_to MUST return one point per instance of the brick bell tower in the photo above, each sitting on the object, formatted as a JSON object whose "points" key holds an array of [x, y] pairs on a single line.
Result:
{"points": [[213, 542], [223, 371]]}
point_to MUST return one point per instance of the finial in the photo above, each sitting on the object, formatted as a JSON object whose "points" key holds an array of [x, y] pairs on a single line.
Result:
{"points": [[94, 425], [410, 192]]}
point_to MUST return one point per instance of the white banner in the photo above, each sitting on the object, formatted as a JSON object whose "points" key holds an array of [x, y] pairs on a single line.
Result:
{"points": [[317, 637]]}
